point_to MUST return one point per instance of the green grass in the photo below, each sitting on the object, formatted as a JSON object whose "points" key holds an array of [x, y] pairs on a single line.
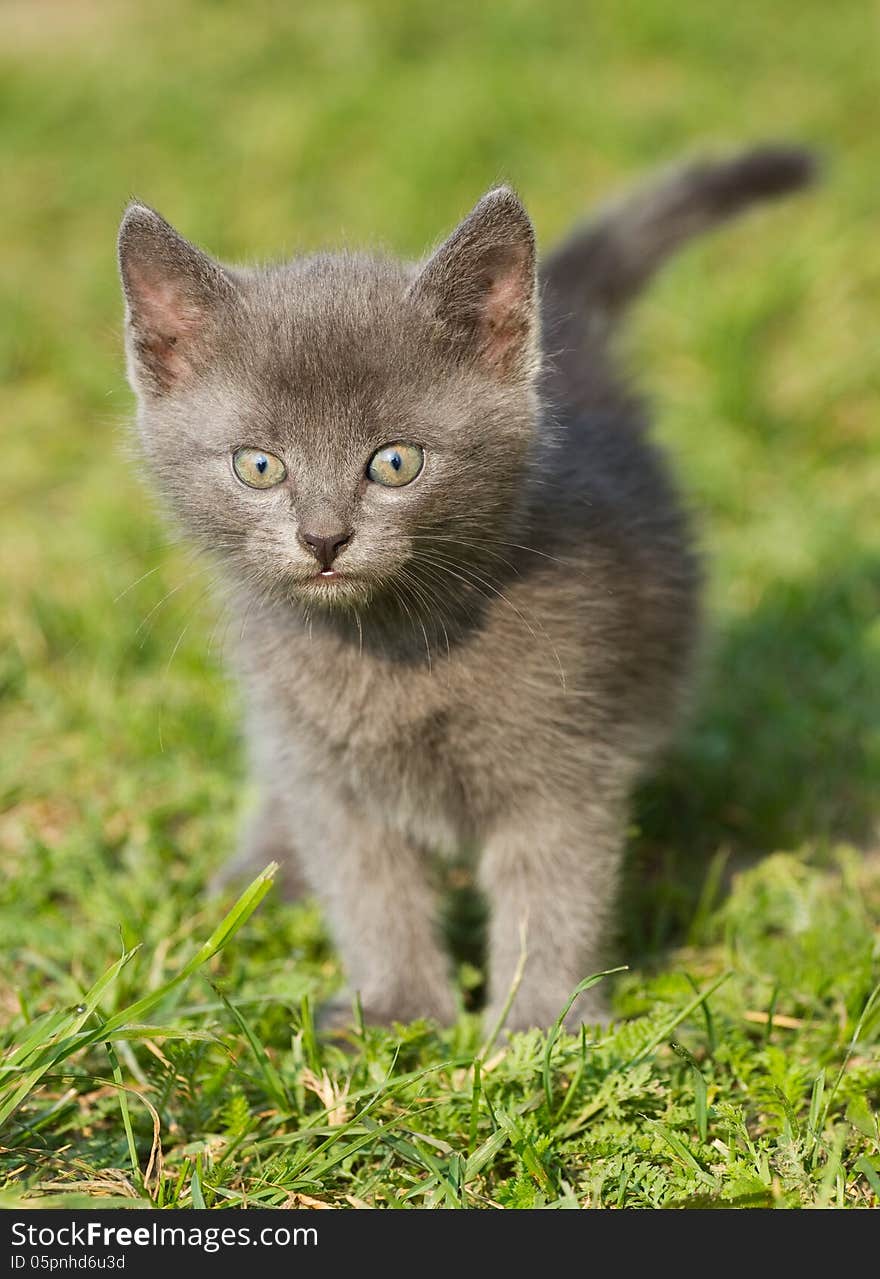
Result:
{"points": [[141, 1063]]}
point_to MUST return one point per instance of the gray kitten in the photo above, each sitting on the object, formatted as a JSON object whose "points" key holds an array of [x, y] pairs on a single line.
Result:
{"points": [[467, 592]]}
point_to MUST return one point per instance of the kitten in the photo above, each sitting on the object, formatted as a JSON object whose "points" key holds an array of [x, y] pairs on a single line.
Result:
{"points": [[467, 591]]}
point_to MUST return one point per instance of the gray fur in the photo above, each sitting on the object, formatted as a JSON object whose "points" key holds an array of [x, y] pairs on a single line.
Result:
{"points": [[510, 636]]}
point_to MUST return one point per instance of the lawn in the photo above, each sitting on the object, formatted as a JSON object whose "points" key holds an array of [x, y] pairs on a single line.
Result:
{"points": [[160, 1047]]}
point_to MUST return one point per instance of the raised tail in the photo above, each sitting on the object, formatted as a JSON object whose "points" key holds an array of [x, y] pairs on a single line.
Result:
{"points": [[593, 274]]}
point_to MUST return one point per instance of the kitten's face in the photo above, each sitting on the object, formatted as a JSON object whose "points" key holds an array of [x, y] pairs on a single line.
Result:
{"points": [[343, 429]]}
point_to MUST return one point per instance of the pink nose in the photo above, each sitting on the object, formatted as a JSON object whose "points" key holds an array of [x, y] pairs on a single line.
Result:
{"points": [[325, 549]]}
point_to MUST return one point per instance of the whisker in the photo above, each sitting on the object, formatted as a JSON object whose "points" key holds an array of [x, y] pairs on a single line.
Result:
{"points": [[483, 543], [459, 541], [474, 577], [177, 645], [421, 623], [435, 605], [165, 598], [432, 601], [137, 582]]}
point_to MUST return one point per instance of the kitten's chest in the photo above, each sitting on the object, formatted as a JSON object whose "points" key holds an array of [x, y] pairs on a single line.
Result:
{"points": [[402, 738], [436, 748]]}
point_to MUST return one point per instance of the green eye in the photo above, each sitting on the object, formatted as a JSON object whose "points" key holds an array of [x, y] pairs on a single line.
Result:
{"points": [[396, 464], [257, 469]]}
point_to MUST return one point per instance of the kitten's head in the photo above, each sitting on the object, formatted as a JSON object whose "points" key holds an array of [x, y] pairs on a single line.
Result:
{"points": [[342, 429]]}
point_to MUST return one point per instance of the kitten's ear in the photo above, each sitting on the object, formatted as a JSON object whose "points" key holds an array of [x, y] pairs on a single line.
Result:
{"points": [[480, 285], [172, 292]]}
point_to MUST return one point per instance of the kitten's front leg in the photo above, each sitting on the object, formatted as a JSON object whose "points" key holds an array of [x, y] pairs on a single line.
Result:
{"points": [[551, 868], [381, 910]]}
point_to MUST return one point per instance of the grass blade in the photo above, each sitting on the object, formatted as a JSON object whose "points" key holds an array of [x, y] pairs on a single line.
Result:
{"points": [[225, 930], [126, 1114], [72, 1022], [272, 1080], [476, 1093], [666, 1031], [869, 1172], [553, 1035], [58, 1049]]}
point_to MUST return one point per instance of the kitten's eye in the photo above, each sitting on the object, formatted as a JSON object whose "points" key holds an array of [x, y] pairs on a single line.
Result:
{"points": [[396, 464], [257, 469]]}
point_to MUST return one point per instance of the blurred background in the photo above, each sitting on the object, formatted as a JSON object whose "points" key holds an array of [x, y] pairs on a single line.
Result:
{"points": [[265, 129]]}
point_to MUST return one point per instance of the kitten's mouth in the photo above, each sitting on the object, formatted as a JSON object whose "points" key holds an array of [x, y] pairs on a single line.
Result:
{"points": [[332, 588], [330, 582]]}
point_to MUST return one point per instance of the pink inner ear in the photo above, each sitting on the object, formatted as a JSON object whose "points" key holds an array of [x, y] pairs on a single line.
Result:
{"points": [[505, 318], [163, 318]]}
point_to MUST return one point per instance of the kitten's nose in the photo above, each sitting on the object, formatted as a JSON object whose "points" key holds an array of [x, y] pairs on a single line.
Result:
{"points": [[325, 549]]}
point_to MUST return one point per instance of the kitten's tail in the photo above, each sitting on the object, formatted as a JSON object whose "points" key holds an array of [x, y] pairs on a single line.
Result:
{"points": [[603, 265]]}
